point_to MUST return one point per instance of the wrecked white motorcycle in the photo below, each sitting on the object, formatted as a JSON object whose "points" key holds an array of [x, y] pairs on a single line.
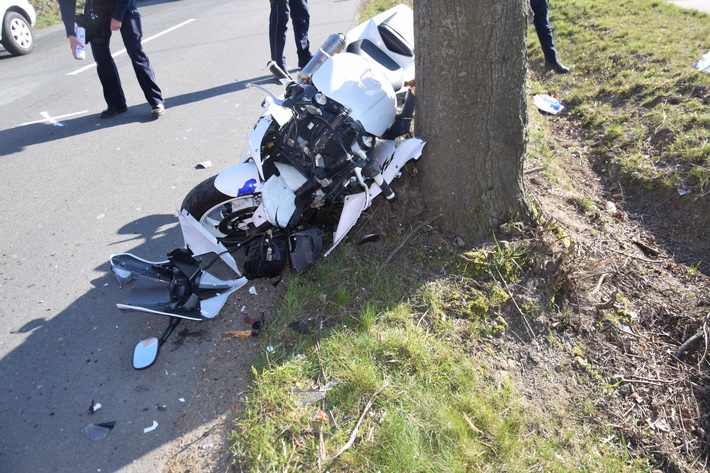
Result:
{"points": [[328, 146]]}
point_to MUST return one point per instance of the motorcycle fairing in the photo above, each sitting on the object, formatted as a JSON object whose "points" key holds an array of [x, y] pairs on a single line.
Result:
{"points": [[391, 31], [172, 288], [240, 179], [180, 286], [392, 156], [352, 81]]}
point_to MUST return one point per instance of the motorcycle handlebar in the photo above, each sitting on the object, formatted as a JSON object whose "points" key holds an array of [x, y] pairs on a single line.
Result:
{"points": [[279, 73]]}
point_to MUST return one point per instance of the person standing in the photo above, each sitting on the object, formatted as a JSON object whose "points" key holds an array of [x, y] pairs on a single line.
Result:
{"points": [[101, 18], [300, 19], [543, 28]]}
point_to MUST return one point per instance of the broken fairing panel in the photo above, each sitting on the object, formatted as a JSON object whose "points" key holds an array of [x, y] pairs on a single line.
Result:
{"points": [[397, 155]]}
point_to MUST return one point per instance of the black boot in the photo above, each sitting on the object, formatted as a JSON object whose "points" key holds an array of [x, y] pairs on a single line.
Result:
{"points": [[558, 67]]}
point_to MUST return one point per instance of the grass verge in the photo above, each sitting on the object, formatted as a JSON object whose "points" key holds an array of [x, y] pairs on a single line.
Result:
{"points": [[394, 376], [633, 89]]}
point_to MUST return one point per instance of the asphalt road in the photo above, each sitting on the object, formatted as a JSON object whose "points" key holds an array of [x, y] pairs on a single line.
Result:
{"points": [[701, 5], [76, 189]]}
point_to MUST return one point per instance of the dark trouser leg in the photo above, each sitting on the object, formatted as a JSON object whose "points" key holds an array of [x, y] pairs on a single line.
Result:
{"points": [[132, 33], [107, 71], [301, 20], [541, 21], [278, 19]]}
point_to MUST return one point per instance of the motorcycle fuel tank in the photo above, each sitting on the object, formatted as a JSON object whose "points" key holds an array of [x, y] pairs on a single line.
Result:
{"points": [[348, 79]]}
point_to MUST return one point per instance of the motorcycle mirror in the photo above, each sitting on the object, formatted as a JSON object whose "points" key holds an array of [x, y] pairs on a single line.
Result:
{"points": [[145, 353]]}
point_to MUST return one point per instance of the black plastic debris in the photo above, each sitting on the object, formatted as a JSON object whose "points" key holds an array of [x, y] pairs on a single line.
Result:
{"points": [[300, 327], [371, 238]]}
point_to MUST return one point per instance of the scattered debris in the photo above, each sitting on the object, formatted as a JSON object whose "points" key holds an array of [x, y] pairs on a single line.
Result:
{"points": [[94, 407], [98, 431], [300, 327], [371, 238], [704, 64], [310, 396], [548, 104], [151, 428], [252, 290], [238, 333], [204, 165]]}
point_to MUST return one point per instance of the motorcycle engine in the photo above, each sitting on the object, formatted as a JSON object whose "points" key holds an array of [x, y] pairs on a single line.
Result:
{"points": [[317, 141]]}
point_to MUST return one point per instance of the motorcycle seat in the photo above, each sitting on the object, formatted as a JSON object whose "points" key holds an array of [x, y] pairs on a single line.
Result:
{"points": [[369, 50]]}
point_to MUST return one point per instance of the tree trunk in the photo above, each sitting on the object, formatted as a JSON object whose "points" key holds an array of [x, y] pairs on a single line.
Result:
{"points": [[470, 63]]}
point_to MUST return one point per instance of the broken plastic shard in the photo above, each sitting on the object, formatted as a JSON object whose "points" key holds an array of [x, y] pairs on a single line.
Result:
{"points": [[98, 431], [252, 290], [548, 104], [704, 64], [204, 165], [308, 397], [95, 406], [151, 428]]}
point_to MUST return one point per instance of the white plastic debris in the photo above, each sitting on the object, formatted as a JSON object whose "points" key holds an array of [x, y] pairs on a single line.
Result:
{"points": [[704, 64], [548, 104], [204, 165], [252, 290], [151, 428]]}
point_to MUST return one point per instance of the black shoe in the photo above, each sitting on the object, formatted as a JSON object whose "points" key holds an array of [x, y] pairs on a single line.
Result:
{"points": [[303, 62], [113, 111], [558, 67], [157, 110]]}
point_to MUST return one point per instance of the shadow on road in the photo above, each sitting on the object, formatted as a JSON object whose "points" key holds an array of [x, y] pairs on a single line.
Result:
{"points": [[90, 343], [15, 140]]}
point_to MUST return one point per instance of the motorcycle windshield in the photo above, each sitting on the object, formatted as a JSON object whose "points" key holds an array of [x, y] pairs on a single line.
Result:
{"points": [[349, 80]]}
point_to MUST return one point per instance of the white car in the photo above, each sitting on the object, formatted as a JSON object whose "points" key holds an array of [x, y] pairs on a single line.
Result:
{"points": [[18, 18]]}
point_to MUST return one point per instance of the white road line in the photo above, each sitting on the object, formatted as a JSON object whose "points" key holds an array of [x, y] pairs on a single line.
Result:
{"points": [[53, 120], [118, 53]]}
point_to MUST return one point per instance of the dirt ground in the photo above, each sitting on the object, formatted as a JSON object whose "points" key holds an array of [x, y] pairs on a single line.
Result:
{"points": [[631, 307], [626, 329]]}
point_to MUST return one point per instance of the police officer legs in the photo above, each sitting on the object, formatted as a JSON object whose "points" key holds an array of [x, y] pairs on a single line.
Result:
{"points": [[278, 24], [543, 29], [132, 33]]}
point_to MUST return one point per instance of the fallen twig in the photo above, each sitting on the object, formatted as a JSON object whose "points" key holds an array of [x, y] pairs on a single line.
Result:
{"points": [[646, 260], [479, 432], [353, 434], [410, 235], [691, 341], [399, 247], [520, 311]]}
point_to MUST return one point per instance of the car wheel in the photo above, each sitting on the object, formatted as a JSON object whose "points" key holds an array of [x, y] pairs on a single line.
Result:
{"points": [[17, 34]]}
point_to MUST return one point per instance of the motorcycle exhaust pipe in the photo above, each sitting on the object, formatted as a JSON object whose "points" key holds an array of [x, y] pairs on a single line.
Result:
{"points": [[333, 45], [279, 73]]}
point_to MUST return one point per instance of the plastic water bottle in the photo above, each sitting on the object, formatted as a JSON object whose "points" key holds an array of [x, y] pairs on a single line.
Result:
{"points": [[79, 51]]}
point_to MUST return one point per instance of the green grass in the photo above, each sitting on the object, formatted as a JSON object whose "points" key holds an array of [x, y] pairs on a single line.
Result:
{"points": [[403, 341], [640, 103]]}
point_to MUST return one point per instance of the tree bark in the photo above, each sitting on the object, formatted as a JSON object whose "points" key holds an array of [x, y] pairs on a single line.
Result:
{"points": [[470, 63]]}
